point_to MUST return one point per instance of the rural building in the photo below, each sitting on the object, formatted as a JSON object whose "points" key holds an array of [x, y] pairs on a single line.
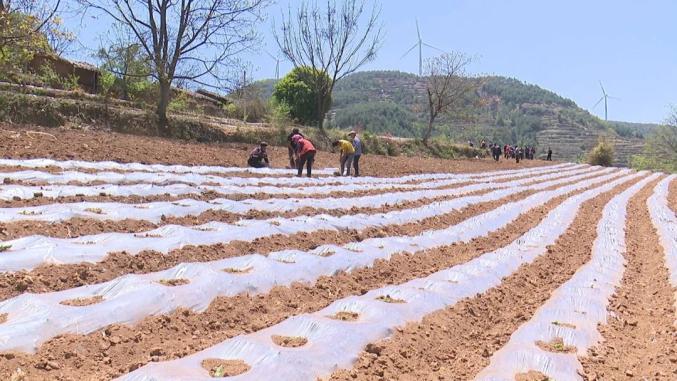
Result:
{"points": [[88, 75]]}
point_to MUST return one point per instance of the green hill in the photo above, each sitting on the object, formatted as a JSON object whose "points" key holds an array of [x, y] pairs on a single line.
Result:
{"points": [[508, 111]]}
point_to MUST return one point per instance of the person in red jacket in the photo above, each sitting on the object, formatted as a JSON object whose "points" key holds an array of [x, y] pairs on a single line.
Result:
{"points": [[306, 151]]}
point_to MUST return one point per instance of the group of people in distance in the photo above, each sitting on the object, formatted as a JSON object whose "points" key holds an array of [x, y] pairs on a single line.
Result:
{"points": [[302, 154], [512, 152]]}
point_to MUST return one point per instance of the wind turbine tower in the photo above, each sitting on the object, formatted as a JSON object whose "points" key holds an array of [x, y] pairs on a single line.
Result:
{"points": [[277, 64], [605, 97], [420, 45]]}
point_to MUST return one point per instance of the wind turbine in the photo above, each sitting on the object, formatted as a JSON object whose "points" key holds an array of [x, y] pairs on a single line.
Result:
{"points": [[605, 97], [277, 64], [420, 45]]}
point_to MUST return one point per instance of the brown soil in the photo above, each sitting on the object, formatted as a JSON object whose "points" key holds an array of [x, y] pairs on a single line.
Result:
{"points": [[289, 341], [184, 332], [80, 302], [123, 148], [3, 318], [640, 338], [225, 368], [60, 277], [76, 227], [556, 345], [457, 342]]}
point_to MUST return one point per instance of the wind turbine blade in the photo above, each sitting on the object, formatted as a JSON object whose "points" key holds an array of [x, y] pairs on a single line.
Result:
{"points": [[598, 102], [600, 85], [614, 98], [418, 31], [409, 51], [434, 47]]}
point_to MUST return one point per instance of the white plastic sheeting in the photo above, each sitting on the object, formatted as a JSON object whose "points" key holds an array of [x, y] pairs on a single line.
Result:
{"points": [[112, 165], [29, 252], [130, 298], [581, 301], [334, 344], [153, 211], [164, 178], [665, 222], [9, 192], [199, 169]]}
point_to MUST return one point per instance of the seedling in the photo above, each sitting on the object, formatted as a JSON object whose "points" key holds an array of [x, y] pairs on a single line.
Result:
{"points": [[233, 270], [5, 248], [390, 299], [94, 210], [30, 213]]}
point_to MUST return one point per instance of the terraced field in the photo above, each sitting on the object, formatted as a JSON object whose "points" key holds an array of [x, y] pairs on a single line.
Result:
{"points": [[157, 272]]}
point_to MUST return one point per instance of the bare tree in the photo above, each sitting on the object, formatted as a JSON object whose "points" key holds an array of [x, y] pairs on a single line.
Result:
{"points": [[447, 88], [335, 40], [187, 40]]}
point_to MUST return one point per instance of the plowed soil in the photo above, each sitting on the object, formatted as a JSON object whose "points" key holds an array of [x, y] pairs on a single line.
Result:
{"points": [[123, 148], [119, 349], [456, 343], [640, 337], [60, 277]]}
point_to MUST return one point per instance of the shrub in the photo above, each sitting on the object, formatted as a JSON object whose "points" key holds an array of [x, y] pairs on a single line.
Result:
{"points": [[602, 154]]}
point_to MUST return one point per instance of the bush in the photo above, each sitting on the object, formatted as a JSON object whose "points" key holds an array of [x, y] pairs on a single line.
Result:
{"points": [[602, 154]]}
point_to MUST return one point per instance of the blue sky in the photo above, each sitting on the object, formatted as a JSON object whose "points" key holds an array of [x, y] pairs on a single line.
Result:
{"points": [[564, 46]]}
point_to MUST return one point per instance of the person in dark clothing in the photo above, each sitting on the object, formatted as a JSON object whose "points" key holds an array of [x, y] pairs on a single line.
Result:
{"points": [[291, 150], [496, 152], [258, 158], [549, 158], [518, 154], [306, 154]]}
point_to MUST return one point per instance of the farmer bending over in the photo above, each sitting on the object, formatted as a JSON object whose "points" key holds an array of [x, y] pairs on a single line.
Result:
{"points": [[306, 153], [347, 152]]}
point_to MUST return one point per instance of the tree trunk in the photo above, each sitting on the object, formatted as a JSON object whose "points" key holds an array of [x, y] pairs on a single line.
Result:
{"points": [[428, 132], [163, 104]]}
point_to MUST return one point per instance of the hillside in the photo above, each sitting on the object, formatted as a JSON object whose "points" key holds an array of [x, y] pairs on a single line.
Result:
{"points": [[510, 111]]}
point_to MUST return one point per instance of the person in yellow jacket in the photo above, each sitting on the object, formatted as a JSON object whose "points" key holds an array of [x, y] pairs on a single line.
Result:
{"points": [[347, 151]]}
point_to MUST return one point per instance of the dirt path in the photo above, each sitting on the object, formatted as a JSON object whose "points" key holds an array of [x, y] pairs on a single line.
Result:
{"points": [[76, 227], [640, 339], [119, 349], [59, 277], [456, 343]]}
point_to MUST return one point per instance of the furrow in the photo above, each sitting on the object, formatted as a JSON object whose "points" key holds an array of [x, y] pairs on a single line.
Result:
{"points": [[164, 178], [456, 343], [206, 281], [379, 311], [566, 325], [91, 218], [21, 192], [123, 348], [640, 338], [29, 252]]}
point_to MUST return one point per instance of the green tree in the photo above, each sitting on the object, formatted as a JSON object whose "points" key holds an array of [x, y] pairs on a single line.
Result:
{"points": [[660, 149], [22, 27], [128, 62], [602, 154], [298, 91]]}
